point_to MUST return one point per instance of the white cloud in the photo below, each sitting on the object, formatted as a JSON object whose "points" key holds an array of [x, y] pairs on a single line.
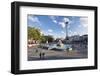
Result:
{"points": [[34, 19], [50, 33], [53, 18], [66, 19], [84, 21], [50, 30], [70, 31], [62, 32], [54, 21], [62, 24], [74, 33]]}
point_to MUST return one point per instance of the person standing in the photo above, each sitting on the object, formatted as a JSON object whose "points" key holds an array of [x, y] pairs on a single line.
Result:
{"points": [[40, 55], [43, 55]]}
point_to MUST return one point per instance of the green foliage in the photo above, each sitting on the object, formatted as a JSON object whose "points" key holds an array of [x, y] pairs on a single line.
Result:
{"points": [[43, 39], [49, 38], [35, 34]]}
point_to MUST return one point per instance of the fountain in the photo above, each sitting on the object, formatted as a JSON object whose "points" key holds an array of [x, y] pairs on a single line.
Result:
{"points": [[59, 45]]}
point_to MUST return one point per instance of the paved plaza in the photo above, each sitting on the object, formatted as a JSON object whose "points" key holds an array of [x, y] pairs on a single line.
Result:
{"points": [[37, 53]]}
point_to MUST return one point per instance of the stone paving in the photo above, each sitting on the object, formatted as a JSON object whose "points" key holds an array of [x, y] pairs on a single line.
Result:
{"points": [[36, 53]]}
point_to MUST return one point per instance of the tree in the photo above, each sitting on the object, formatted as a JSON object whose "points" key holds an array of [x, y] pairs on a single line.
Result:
{"points": [[34, 33], [49, 38], [43, 39]]}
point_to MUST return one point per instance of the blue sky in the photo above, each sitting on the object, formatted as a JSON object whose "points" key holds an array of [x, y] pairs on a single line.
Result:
{"points": [[55, 25]]}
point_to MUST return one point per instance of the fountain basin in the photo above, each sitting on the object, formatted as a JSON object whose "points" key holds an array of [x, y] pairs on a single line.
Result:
{"points": [[63, 47]]}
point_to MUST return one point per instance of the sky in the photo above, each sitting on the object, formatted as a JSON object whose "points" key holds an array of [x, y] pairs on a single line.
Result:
{"points": [[55, 25]]}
